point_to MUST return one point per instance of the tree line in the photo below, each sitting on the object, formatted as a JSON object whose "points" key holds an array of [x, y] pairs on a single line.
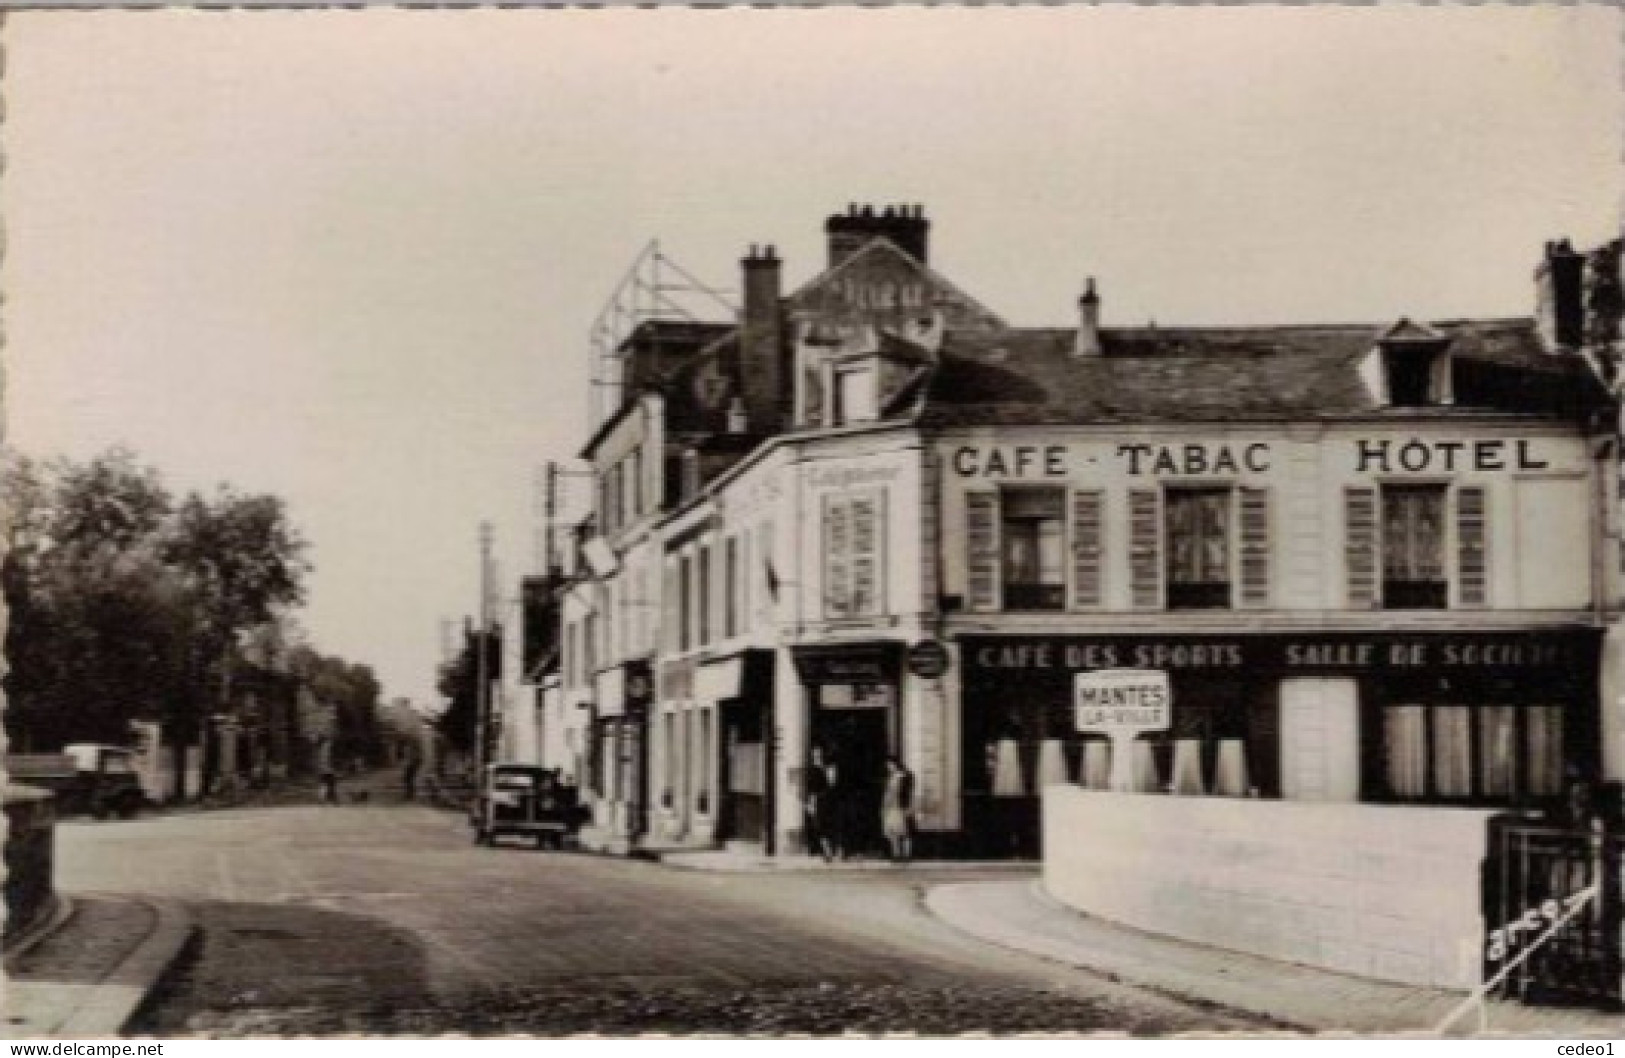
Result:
{"points": [[129, 603]]}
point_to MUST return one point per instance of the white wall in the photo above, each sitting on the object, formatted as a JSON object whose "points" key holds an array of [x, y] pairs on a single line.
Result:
{"points": [[1381, 891]]}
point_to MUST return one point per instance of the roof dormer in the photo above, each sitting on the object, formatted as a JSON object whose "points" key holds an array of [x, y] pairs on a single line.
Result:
{"points": [[1414, 366]]}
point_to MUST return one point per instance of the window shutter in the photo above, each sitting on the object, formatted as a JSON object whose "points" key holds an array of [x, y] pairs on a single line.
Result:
{"points": [[1255, 547], [1360, 545], [1086, 549], [837, 557], [1472, 550], [982, 551], [1145, 548], [865, 564]]}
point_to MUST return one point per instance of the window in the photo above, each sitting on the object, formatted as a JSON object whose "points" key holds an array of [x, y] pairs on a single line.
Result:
{"points": [[703, 576], [589, 648], [1413, 547], [730, 588], [1485, 753], [1197, 523], [1409, 380], [571, 673], [1033, 534], [685, 610], [855, 397], [635, 463]]}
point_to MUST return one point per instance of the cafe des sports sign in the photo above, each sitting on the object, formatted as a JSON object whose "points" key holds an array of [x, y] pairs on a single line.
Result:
{"points": [[1570, 653]]}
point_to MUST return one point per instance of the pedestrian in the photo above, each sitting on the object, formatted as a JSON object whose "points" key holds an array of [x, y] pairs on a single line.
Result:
{"points": [[897, 810], [409, 778], [821, 802], [330, 785]]}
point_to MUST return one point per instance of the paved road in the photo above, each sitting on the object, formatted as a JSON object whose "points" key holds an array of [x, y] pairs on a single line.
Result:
{"points": [[384, 918]]}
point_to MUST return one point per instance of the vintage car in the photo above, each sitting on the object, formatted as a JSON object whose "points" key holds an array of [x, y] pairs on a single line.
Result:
{"points": [[526, 801]]}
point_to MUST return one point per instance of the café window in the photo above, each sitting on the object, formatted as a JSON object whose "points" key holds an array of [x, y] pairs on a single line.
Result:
{"points": [[1033, 533], [1413, 543], [1455, 751], [1198, 531]]}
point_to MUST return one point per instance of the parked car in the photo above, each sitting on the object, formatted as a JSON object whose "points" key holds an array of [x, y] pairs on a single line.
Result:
{"points": [[525, 801], [86, 777]]}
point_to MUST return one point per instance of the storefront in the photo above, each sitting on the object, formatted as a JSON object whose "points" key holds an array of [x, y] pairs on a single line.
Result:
{"points": [[853, 691], [619, 751], [1473, 718], [739, 688]]}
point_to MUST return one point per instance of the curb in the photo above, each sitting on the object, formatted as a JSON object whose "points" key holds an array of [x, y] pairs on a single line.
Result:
{"points": [[43, 926], [1077, 959], [116, 998]]}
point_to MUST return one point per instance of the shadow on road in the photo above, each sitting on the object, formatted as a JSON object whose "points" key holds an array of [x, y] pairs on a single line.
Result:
{"points": [[261, 968]]}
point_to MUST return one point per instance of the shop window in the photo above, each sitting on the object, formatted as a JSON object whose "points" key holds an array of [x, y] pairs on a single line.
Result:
{"points": [[1413, 543], [1197, 527], [1484, 754], [1032, 532]]}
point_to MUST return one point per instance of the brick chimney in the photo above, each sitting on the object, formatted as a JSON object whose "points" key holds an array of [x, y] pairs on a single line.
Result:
{"points": [[1087, 342], [1559, 304], [849, 232], [763, 375]]}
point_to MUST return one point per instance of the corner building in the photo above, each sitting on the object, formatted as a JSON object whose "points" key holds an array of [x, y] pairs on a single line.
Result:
{"points": [[1379, 565]]}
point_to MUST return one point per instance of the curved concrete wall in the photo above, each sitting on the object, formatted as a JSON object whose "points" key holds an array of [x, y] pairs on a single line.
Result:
{"points": [[1381, 891]]}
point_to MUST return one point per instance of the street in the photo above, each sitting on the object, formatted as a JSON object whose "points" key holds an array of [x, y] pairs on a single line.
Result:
{"points": [[382, 917]]}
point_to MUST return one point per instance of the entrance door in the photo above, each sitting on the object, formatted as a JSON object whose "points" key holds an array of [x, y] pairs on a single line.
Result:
{"points": [[744, 773], [857, 741]]}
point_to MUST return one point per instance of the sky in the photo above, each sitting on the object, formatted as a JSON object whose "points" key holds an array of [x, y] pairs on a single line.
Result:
{"points": [[353, 257]]}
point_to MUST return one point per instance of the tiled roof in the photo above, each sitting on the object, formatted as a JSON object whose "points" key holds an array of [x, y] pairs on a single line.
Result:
{"points": [[1203, 374]]}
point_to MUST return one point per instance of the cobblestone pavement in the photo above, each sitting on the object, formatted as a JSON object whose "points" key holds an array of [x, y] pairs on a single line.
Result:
{"points": [[383, 918]]}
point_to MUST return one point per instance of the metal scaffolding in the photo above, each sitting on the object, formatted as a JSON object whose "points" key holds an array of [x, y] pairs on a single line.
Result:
{"points": [[654, 288]]}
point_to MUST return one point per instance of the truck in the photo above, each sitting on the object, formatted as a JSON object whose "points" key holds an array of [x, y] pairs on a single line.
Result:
{"points": [[86, 777]]}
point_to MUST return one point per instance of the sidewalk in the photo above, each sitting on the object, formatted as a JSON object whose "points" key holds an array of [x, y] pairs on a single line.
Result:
{"points": [[91, 969], [728, 860], [1018, 914]]}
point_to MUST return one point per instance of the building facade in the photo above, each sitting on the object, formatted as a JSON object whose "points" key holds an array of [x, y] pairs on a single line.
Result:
{"points": [[1379, 565]]}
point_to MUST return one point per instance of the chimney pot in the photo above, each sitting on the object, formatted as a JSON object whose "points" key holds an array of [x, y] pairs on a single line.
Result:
{"points": [[1087, 341]]}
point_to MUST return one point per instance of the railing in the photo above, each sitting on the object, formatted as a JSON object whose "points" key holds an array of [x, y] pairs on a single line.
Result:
{"points": [[1553, 914]]}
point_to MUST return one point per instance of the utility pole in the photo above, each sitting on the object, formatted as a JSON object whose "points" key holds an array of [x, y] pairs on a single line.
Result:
{"points": [[482, 698], [550, 502]]}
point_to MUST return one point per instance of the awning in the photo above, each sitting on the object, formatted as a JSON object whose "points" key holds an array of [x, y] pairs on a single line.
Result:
{"points": [[611, 692], [748, 674]]}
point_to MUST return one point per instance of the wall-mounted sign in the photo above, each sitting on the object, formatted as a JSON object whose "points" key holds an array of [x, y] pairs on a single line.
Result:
{"points": [[1122, 701], [927, 659], [853, 663]]}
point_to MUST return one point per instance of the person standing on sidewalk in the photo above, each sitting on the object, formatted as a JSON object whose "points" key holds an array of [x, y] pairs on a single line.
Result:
{"points": [[897, 810], [821, 802]]}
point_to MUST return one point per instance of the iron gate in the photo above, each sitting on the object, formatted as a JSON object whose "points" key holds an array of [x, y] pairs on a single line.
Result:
{"points": [[1552, 895]]}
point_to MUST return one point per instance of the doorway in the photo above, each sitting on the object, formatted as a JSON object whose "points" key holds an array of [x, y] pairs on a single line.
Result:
{"points": [[856, 727]]}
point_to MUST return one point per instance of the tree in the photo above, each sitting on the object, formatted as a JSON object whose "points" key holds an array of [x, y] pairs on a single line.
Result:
{"points": [[459, 681], [92, 627], [244, 566]]}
